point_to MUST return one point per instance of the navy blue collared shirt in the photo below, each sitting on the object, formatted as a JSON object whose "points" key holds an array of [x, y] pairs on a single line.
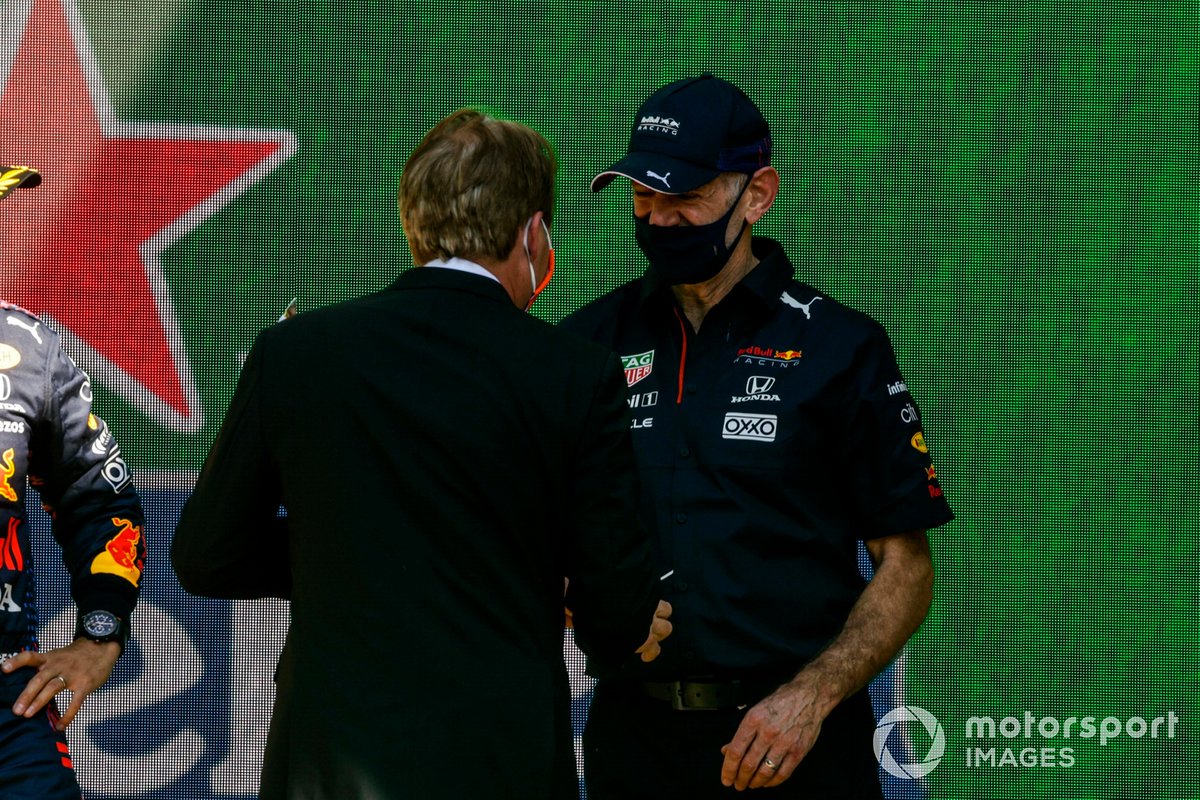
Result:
{"points": [[768, 444]]}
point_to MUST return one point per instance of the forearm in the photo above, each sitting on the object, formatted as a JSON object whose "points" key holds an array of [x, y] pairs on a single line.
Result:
{"points": [[887, 613]]}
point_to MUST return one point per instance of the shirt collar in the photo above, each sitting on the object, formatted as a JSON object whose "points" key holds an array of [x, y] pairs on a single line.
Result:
{"points": [[774, 271], [462, 265]]}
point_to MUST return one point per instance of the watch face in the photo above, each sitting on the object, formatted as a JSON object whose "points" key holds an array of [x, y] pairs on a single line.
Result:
{"points": [[99, 624]]}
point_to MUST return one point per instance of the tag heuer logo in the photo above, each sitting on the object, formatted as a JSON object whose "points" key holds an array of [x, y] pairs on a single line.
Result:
{"points": [[638, 367]]}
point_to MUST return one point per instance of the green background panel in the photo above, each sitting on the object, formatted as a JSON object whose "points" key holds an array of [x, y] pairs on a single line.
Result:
{"points": [[1011, 188]]}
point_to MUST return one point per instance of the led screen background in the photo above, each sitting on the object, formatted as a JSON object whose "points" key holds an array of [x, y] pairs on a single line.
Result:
{"points": [[1009, 187]]}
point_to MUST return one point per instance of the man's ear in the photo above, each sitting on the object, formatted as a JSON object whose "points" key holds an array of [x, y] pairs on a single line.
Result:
{"points": [[537, 235], [763, 189]]}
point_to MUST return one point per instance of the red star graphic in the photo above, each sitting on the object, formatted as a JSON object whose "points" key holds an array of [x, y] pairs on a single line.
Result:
{"points": [[83, 249]]}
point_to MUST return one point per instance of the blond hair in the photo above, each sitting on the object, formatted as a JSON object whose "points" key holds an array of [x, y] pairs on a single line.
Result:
{"points": [[470, 185]]}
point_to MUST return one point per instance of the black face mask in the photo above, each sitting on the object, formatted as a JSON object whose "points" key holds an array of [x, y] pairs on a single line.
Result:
{"points": [[687, 253]]}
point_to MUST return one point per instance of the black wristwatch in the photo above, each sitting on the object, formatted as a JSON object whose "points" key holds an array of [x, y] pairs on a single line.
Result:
{"points": [[102, 626]]}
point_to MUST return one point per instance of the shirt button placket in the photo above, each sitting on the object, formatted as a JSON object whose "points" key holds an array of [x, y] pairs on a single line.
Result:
{"points": [[685, 463]]}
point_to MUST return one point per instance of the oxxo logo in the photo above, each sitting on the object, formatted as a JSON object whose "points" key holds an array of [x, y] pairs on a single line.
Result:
{"points": [[937, 742], [755, 427]]}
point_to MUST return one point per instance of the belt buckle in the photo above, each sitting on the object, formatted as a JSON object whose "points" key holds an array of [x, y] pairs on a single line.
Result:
{"points": [[677, 698]]}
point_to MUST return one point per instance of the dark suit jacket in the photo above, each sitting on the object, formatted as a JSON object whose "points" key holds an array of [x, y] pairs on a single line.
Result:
{"points": [[444, 459]]}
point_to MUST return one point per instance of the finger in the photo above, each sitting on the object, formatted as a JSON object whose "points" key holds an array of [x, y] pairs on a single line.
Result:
{"points": [[768, 768], [661, 629], [28, 658], [38, 692], [664, 609], [735, 751], [750, 765], [784, 771], [650, 651], [73, 709]]}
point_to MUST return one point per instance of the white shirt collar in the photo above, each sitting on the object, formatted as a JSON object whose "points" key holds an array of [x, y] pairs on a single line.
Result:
{"points": [[462, 265]]}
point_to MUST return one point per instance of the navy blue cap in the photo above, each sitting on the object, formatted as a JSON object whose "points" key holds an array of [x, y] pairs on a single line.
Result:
{"points": [[689, 132]]}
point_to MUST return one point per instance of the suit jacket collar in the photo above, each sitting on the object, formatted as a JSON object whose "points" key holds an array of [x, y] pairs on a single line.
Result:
{"points": [[455, 280]]}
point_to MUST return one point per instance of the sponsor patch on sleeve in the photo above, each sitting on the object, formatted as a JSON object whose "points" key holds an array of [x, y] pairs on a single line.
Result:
{"points": [[120, 556]]}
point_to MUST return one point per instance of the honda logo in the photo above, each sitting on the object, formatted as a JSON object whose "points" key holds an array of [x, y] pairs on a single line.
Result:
{"points": [[759, 384]]}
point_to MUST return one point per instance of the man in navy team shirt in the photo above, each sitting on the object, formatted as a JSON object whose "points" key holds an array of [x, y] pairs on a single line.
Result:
{"points": [[773, 431]]}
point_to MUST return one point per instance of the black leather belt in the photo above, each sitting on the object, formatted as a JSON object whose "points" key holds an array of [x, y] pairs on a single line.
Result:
{"points": [[700, 694]]}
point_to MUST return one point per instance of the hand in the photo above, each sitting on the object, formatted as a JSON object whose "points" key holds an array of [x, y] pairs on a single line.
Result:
{"points": [[781, 728], [82, 666], [660, 629]]}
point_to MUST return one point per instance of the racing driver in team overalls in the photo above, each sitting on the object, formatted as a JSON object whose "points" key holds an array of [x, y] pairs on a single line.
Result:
{"points": [[48, 434]]}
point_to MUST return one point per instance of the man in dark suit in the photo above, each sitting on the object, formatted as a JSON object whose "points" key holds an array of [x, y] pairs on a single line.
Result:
{"points": [[445, 460]]}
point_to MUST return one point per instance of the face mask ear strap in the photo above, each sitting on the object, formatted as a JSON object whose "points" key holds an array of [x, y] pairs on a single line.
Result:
{"points": [[537, 288], [533, 274]]}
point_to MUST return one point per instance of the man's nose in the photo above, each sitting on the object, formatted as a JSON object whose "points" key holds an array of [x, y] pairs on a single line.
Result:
{"points": [[663, 212]]}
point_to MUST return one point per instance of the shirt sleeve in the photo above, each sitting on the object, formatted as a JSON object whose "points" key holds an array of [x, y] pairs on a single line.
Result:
{"points": [[230, 541], [892, 482], [77, 467]]}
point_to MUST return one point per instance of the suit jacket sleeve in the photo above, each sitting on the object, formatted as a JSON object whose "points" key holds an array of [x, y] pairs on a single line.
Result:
{"points": [[230, 541], [613, 590]]}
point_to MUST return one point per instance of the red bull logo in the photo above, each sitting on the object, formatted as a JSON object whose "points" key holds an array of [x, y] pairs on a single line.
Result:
{"points": [[7, 469], [767, 356], [120, 556], [930, 473], [10, 548]]}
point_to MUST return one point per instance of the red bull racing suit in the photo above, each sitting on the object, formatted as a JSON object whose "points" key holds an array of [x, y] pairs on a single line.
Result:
{"points": [[49, 434]]}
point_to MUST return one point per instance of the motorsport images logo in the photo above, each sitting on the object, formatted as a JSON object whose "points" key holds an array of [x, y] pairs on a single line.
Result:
{"points": [[1041, 737], [916, 769]]}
